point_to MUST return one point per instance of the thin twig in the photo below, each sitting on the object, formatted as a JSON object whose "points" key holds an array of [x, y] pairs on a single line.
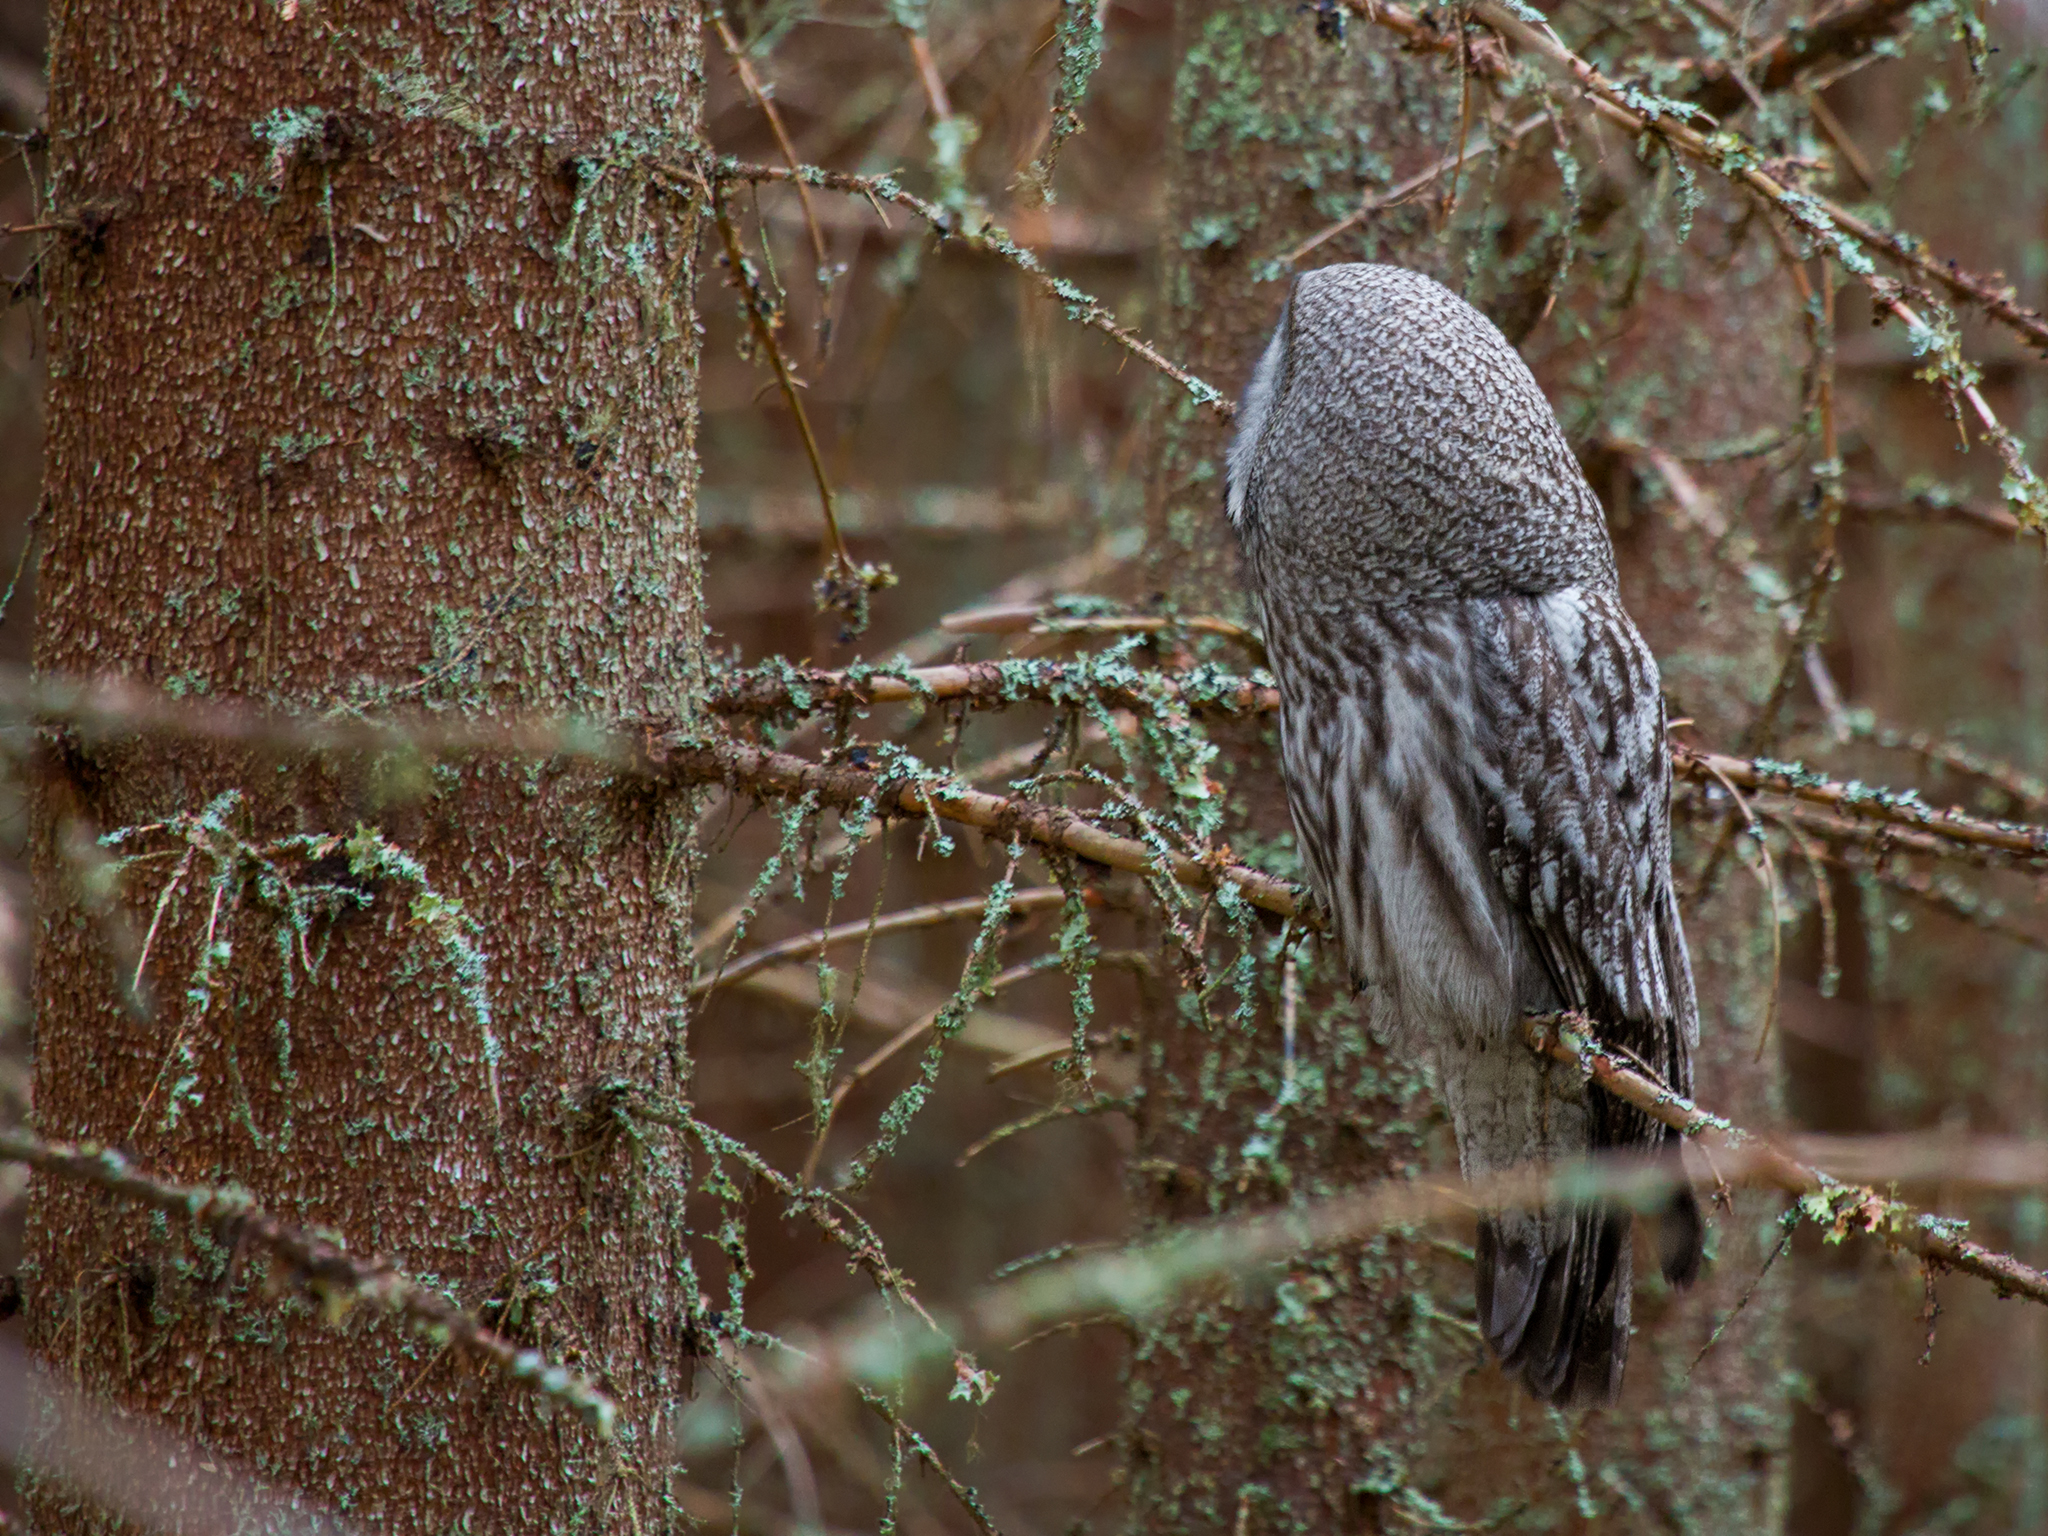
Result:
{"points": [[931, 915], [1401, 191], [1928, 506], [757, 317], [764, 98], [29, 532], [1769, 877], [1838, 135], [928, 75], [980, 234], [1846, 32]]}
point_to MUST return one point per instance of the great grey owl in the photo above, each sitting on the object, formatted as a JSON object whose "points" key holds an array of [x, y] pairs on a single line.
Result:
{"points": [[1473, 741]]}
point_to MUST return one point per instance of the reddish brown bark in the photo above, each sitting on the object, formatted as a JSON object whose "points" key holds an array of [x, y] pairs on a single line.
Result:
{"points": [[372, 381]]}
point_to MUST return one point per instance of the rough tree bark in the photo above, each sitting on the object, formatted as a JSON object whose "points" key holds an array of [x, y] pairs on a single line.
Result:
{"points": [[1351, 1394], [372, 385]]}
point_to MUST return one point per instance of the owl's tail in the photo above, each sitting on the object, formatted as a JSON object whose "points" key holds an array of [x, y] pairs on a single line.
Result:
{"points": [[1554, 1290]]}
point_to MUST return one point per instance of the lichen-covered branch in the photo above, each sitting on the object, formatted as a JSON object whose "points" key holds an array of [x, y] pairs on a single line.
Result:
{"points": [[1112, 682], [1936, 1240], [1893, 807], [319, 1266], [760, 771], [1721, 150], [980, 234], [1739, 161], [1834, 37], [120, 708]]}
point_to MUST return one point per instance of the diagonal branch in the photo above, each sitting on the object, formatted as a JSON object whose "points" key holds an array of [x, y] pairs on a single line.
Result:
{"points": [[758, 311], [758, 91], [818, 940], [1741, 162], [1725, 153], [1936, 1240], [1468, 149], [1155, 1275], [981, 234], [320, 1267], [1834, 37], [760, 771]]}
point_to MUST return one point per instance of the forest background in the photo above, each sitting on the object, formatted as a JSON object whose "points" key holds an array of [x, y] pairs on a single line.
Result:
{"points": [[849, 1218]]}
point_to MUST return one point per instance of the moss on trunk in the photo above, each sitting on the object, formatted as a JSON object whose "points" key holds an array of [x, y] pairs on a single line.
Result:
{"points": [[372, 385]]}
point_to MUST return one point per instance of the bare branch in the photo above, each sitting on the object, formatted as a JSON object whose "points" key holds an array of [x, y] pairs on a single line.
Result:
{"points": [[1925, 506], [1401, 191], [1833, 37], [931, 915], [764, 98], [757, 309]]}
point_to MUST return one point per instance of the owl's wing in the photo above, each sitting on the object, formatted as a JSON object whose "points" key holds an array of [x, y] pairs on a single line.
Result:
{"points": [[1575, 782], [1574, 790]]}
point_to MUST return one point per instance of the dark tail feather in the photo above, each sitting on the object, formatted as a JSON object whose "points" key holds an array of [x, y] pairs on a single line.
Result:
{"points": [[1681, 1237], [1681, 1232], [1556, 1309]]}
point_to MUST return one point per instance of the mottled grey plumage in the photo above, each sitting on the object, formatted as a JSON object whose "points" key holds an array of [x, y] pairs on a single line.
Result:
{"points": [[1473, 741]]}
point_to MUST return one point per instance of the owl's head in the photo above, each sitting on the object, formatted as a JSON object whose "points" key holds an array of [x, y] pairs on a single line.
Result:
{"points": [[1393, 439]]}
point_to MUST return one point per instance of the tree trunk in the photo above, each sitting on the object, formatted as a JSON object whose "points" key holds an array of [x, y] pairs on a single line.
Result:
{"points": [[1352, 1393], [372, 386]]}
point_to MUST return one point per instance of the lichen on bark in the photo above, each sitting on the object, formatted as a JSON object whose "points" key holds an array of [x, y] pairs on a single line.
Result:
{"points": [[372, 384]]}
